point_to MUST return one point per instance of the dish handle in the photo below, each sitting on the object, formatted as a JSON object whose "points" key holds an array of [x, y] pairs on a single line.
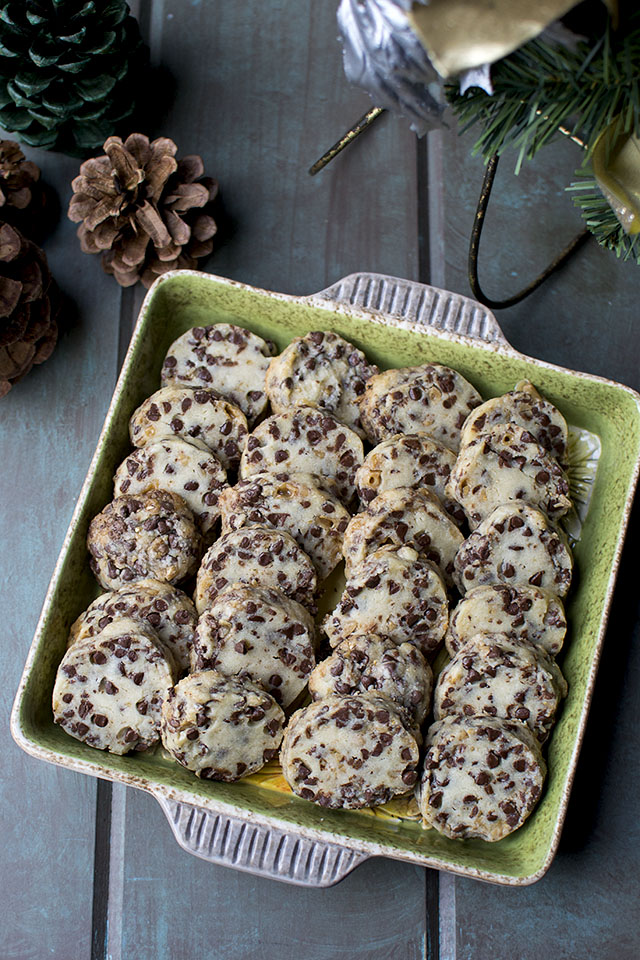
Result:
{"points": [[265, 851], [404, 300]]}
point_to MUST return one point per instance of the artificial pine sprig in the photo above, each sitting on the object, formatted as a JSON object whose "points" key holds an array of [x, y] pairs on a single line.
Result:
{"points": [[541, 87], [602, 221]]}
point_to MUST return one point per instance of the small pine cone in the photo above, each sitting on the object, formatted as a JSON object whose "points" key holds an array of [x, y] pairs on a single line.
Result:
{"points": [[28, 307], [142, 210]]}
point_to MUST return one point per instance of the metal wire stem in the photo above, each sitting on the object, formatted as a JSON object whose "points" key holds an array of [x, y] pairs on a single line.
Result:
{"points": [[474, 249]]}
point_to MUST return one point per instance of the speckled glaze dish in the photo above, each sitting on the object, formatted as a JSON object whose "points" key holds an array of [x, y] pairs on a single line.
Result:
{"points": [[397, 323]]}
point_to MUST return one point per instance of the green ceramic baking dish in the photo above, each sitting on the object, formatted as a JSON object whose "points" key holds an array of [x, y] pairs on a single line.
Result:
{"points": [[397, 323]]}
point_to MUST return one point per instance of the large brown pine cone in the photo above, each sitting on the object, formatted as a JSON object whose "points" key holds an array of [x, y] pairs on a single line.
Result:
{"points": [[28, 307], [142, 210]]}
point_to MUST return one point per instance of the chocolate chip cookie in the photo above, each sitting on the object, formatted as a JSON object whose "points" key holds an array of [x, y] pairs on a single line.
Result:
{"points": [[305, 440], [222, 728], [403, 517], [315, 519], [515, 545], [506, 464], [524, 612], [192, 414], [179, 467], [260, 557], [225, 357], [396, 593], [482, 777], [432, 399], [409, 460], [320, 370], [349, 752], [149, 535], [109, 690], [260, 633], [498, 676]]}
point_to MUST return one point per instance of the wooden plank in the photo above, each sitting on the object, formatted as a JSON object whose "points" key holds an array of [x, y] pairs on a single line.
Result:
{"points": [[48, 429], [584, 318], [261, 101]]}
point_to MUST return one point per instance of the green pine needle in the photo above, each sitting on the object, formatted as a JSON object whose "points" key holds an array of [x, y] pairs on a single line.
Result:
{"points": [[541, 87], [602, 221]]}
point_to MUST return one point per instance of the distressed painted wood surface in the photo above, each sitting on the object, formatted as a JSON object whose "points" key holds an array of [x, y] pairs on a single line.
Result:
{"points": [[90, 871]]}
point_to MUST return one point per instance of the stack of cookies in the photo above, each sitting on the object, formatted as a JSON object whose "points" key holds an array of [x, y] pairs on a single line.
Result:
{"points": [[254, 475], [496, 701]]}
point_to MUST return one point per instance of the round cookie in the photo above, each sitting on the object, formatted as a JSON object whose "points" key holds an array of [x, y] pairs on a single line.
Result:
{"points": [[320, 370], [315, 519], [260, 557], [524, 612], [227, 358], [482, 777], [150, 535], [259, 633], [403, 517], [409, 460], [506, 464], [349, 752], [524, 406], [192, 414], [109, 690], [431, 399], [180, 467], [518, 546], [395, 593], [497, 676], [167, 610], [305, 440], [220, 727], [373, 664]]}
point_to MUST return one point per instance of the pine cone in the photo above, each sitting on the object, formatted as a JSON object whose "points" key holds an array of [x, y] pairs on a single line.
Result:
{"points": [[68, 69], [28, 307], [145, 212]]}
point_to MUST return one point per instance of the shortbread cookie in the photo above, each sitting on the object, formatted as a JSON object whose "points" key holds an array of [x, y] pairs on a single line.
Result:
{"points": [[522, 405], [180, 467], [403, 517], [192, 414], [149, 535], [320, 370], [305, 440], [315, 519], [409, 460], [222, 728], [515, 545], [396, 593], [259, 633], [506, 464], [167, 610], [109, 690], [349, 752], [524, 612], [482, 777], [431, 399], [260, 557], [227, 358], [373, 664], [497, 676]]}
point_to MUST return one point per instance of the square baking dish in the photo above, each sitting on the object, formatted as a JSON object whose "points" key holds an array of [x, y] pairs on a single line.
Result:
{"points": [[398, 323]]}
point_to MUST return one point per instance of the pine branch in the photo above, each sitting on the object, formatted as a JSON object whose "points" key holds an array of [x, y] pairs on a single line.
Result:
{"points": [[541, 87], [602, 221]]}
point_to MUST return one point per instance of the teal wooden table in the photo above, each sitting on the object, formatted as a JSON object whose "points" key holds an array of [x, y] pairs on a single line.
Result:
{"points": [[90, 871]]}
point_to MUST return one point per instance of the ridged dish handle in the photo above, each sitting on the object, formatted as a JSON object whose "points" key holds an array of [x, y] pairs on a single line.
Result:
{"points": [[417, 302], [269, 851], [265, 851]]}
